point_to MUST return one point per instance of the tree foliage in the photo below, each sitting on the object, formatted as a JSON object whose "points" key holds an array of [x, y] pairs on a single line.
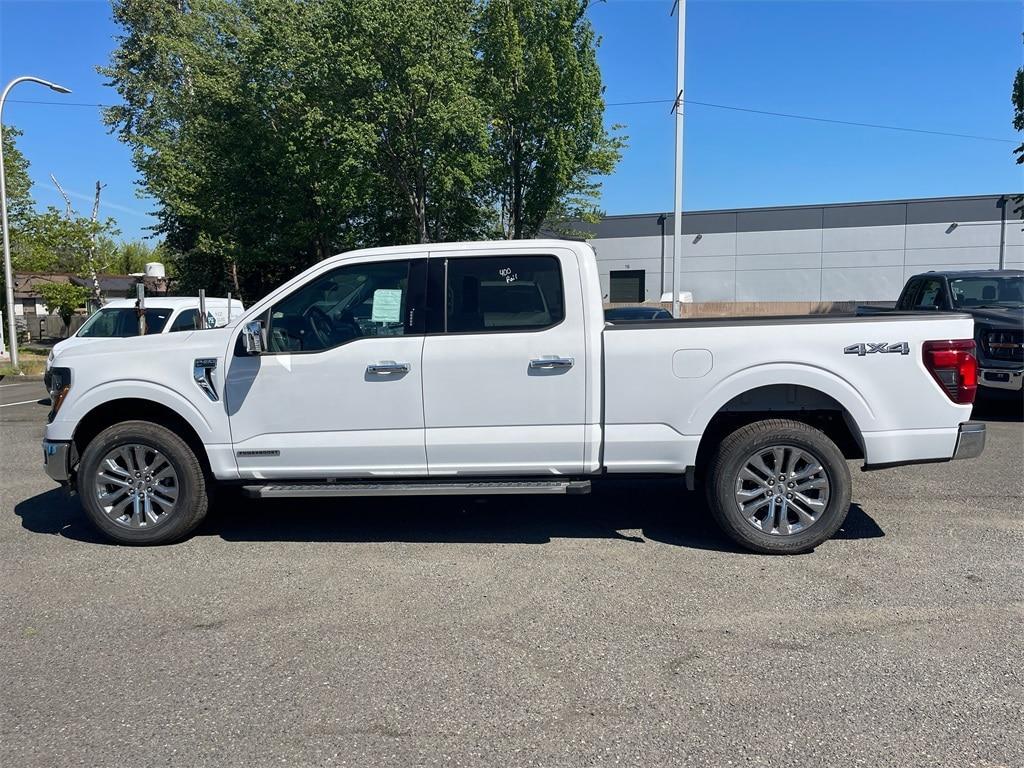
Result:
{"points": [[49, 241], [274, 133], [543, 84], [63, 299], [19, 184]]}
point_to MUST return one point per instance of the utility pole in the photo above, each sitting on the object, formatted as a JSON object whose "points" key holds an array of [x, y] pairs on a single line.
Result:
{"points": [[97, 295], [677, 210]]}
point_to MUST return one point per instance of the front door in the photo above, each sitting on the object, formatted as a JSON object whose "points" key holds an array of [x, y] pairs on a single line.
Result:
{"points": [[339, 391], [504, 381]]}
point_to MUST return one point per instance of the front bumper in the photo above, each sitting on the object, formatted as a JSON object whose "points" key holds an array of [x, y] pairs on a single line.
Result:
{"points": [[57, 460], [971, 440], [1002, 378]]}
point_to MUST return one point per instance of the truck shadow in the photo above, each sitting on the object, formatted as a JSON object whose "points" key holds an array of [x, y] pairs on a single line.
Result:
{"points": [[633, 512]]}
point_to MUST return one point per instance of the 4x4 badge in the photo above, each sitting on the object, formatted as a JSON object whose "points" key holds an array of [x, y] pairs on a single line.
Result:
{"points": [[899, 347]]}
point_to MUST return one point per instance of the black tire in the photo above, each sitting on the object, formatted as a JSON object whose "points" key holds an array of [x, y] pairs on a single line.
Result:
{"points": [[725, 472], [192, 499]]}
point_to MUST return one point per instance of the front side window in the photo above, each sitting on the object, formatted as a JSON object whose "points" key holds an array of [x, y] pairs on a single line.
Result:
{"points": [[344, 304], [994, 291], [121, 322], [503, 293]]}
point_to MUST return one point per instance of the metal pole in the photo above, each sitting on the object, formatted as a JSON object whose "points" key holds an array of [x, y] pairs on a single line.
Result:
{"points": [[202, 308], [229, 306], [677, 210], [140, 306], [1003, 201], [12, 335]]}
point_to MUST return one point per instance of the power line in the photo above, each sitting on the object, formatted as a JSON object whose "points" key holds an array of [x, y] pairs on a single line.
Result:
{"points": [[788, 115], [814, 119]]}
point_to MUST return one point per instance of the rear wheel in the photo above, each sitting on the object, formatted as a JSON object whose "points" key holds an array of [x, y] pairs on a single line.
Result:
{"points": [[140, 483], [779, 487]]}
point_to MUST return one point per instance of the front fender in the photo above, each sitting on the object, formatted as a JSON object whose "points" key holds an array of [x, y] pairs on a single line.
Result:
{"points": [[767, 374], [69, 416]]}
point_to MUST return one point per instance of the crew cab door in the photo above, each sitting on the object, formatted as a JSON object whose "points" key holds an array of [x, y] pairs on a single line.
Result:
{"points": [[504, 381], [339, 391]]}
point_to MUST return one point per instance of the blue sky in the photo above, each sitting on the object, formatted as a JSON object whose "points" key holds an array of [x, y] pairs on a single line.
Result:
{"points": [[942, 66]]}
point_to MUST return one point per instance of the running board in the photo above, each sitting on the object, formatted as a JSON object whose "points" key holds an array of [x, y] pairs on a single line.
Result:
{"points": [[406, 488]]}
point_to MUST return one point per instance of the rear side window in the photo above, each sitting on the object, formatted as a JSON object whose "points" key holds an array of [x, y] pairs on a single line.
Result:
{"points": [[932, 295], [186, 321], [502, 293]]}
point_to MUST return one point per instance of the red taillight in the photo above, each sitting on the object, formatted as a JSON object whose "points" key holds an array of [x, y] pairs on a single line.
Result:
{"points": [[953, 365]]}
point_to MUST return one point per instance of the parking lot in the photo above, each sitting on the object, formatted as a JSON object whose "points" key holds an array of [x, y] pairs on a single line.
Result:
{"points": [[619, 628]]}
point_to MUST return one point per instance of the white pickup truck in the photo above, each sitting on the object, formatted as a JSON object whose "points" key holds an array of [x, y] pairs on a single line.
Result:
{"points": [[488, 368]]}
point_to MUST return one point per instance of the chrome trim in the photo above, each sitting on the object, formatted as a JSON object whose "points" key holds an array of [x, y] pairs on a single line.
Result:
{"points": [[55, 460], [202, 372], [254, 337], [971, 440], [551, 363], [1014, 381], [387, 368]]}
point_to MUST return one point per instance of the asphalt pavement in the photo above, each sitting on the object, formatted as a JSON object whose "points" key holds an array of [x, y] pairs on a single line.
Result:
{"points": [[614, 629]]}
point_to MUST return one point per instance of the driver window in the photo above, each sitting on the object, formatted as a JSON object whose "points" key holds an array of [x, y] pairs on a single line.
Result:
{"points": [[344, 304]]}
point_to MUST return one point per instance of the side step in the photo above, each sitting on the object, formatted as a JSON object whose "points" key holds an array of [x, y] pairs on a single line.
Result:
{"points": [[417, 488]]}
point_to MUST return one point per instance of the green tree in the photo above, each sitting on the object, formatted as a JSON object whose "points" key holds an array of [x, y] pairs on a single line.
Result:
{"points": [[274, 133], [63, 299], [543, 85], [19, 184], [432, 126], [131, 257], [52, 242]]}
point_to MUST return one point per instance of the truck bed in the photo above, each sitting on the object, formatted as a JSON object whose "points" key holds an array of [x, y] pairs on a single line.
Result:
{"points": [[666, 380]]}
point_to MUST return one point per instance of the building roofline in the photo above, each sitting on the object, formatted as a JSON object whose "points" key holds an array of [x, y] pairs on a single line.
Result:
{"points": [[814, 206]]}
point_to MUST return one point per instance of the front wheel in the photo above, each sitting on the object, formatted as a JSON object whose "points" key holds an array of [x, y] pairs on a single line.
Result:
{"points": [[140, 483], [779, 487]]}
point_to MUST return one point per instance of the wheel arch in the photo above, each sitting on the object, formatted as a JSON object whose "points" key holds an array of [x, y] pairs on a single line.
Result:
{"points": [[123, 409], [798, 402]]}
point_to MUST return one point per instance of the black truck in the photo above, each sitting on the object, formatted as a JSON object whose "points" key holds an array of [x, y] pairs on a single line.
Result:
{"points": [[995, 298]]}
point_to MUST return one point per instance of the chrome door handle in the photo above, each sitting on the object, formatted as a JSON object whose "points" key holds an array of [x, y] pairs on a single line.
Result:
{"points": [[387, 368], [552, 363]]}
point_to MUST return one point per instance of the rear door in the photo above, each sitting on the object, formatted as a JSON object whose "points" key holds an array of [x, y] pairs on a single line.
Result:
{"points": [[504, 379]]}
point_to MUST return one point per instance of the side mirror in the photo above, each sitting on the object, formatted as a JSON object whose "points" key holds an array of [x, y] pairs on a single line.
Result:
{"points": [[254, 337]]}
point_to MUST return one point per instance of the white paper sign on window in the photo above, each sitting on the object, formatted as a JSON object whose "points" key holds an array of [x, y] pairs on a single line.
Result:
{"points": [[387, 305]]}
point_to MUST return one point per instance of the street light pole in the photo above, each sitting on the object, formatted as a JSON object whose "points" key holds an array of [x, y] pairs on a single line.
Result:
{"points": [[677, 207], [8, 276]]}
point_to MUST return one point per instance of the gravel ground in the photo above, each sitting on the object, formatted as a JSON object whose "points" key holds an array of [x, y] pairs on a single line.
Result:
{"points": [[615, 629]]}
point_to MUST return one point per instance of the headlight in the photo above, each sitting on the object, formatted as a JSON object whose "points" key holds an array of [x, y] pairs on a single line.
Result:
{"points": [[60, 385]]}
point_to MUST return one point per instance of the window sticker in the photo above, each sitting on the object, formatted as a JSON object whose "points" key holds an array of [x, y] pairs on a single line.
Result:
{"points": [[387, 305]]}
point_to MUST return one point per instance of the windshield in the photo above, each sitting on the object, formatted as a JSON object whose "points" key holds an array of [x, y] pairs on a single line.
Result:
{"points": [[988, 291], [120, 322]]}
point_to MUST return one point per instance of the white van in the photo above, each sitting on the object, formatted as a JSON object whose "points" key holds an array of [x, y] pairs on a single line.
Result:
{"points": [[118, 318]]}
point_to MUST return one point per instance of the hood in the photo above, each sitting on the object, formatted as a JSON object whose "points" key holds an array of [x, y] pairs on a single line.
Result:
{"points": [[208, 343], [1010, 317]]}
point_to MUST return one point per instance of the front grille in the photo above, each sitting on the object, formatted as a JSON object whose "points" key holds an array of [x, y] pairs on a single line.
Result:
{"points": [[1005, 345]]}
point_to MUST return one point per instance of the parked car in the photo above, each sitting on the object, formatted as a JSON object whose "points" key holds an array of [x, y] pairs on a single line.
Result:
{"points": [[429, 370], [995, 299], [620, 314], [119, 318]]}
